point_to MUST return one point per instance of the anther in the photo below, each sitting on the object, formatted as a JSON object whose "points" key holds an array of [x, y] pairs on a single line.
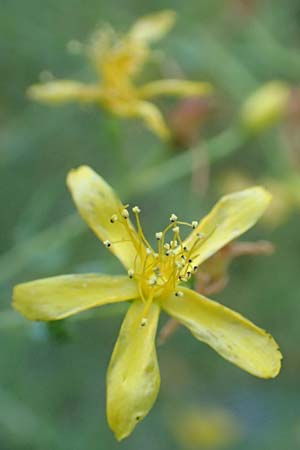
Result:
{"points": [[179, 294], [136, 210], [148, 251], [130, 273], [107, 243], [125, 213], [181, 278], [200, 235], [158, 235], [173, 218], [144, 321], [185, 248], [113, 218], [152, 280], [176, 229], [194, 224], [190, 260], [195, 268], [167, 246]]}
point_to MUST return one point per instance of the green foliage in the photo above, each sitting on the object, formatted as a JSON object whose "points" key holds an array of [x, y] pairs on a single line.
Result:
{"points": [[52, 391]]}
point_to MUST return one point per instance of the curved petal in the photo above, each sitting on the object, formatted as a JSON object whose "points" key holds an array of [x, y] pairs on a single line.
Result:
{"points": [[63, 91], [152, 27], [231, 216], [230, 334], [133, 378], [97, 204], [174, 87], [59, 297], [151, 115]]}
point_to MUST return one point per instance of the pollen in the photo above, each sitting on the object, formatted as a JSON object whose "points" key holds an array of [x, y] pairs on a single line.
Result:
{"points": [[125, 213], [130, 273], [113, 218]]}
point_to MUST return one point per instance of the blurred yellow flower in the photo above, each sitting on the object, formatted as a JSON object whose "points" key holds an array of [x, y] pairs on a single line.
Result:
{"points": [[266, 106], [154, 282], [285, 194], [118, 60], [208, 428]]}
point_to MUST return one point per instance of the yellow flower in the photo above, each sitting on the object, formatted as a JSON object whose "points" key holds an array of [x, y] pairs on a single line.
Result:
{"points": [[155, 281], [118, 61], [209, 427], [266, 106]]}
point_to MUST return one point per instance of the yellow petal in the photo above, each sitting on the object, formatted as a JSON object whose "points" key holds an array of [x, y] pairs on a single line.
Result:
{"points": [[153, 26], [97, 204], [149, 113], [59, 297], [231, 216], [115, 58], [133, 378], [63, 91], [266, 106], [174, 87], [235, 338]]}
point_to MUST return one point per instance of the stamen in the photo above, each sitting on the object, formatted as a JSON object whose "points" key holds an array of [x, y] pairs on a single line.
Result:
{"points": [[194, 224], [125, 213], [175, 229], [113, 218], [179, 294], [130, 273], [136, 210], [173, 218], [158, 235], [152, 280], [148, 251], [144, 321], [107, 243]]}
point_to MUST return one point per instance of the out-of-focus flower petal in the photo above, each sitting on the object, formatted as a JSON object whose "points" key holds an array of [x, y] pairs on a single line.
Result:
{"points": [[152, 27], [98, 204], [133, 378], [174, 87], [266, 106], [62, 296], [152, 117], [147, 111], [231, 335], [232, 216], [63, 91]]}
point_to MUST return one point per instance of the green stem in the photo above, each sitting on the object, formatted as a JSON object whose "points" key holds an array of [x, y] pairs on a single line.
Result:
{"points": [[179, 166]]}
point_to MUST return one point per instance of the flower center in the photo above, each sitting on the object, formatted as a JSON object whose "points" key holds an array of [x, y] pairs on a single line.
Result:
{"points": [[158, 272]]}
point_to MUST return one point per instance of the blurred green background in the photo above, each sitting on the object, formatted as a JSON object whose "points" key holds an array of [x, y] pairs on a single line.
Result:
{"points": [[52, 379]]}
